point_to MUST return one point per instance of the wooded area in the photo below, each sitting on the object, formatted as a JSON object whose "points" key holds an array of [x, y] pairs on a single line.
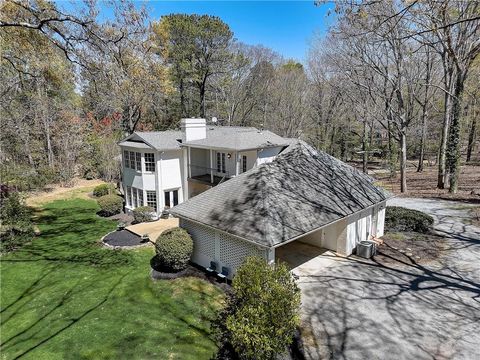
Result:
{"points": [[391, 81]]}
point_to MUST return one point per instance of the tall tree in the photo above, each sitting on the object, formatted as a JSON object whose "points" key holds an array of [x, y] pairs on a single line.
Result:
{"points": [[196, 48]]}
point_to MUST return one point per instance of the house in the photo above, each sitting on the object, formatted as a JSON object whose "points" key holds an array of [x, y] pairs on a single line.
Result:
{"points": [[302, 195], [163, 169]]}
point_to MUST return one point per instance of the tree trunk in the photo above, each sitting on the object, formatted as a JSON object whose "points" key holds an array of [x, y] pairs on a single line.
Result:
{"points": [[422, 139], [365, 148], [403, 161], [453, 147], [442, 173], [471, 134], [392, 151]]}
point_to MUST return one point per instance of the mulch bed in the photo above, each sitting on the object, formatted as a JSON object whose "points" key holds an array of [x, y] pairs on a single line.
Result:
{"points": [[125, 218], [123, 238], [410, 247], [192, 270]]}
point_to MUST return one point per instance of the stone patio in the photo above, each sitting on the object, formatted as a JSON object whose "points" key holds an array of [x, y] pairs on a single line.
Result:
{"points": [[154, 228]]}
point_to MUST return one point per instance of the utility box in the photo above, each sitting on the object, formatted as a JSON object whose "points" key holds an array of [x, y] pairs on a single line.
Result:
{"points": [[366, 249]]}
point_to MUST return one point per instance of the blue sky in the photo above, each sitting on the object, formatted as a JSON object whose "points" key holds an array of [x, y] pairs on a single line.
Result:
{"points": [[287, 27]]}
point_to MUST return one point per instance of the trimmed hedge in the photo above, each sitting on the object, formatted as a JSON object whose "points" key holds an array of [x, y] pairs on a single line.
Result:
{"points": [[143, 214], [104, 189], [110, 205], [402, 219], [174, 248]]}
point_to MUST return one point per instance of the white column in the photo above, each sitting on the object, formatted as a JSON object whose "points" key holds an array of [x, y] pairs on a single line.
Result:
{"points": [[211, 165], [270, 256], [185, 174], [237, 163], [189, 163]]}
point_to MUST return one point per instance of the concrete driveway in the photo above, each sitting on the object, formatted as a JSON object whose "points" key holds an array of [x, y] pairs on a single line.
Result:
{"points": [[357, 309]]}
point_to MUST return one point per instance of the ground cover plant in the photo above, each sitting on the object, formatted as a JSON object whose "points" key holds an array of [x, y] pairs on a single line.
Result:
{"points": [[66, 297]]}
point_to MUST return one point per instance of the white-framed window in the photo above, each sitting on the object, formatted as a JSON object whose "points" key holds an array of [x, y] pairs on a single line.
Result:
{"points": [[126, 159], [128, 196], [149, 162], [244, 163], [135, 197], [221, 162], [132, 160], [138, 161], [171, 198], [140, 197], [152, 199]]}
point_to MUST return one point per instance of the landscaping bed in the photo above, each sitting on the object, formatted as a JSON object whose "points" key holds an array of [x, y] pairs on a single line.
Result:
{"points": [[410, 247], [123, 239]]}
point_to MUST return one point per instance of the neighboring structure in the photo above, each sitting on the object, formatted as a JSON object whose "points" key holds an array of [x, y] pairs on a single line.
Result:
{"points": [[163, 169], [302, 195]]}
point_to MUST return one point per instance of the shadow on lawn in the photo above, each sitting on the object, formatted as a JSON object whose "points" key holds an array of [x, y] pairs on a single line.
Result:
{"points": [[71, 235], [36, 335]]}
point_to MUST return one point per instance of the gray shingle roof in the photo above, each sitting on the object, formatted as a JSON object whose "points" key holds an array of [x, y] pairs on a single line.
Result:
{"points": [[221, 137], [301, 190], [238, 138]]}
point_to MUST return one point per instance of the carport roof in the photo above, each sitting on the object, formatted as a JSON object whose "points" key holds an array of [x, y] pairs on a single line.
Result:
{"points": [[301, 190]]}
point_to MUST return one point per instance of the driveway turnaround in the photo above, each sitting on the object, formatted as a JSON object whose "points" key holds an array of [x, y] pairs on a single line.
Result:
{"points": [[362, 309]]}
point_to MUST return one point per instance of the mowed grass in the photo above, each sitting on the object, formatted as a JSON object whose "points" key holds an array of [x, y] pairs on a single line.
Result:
{"points": [[65, 297]]}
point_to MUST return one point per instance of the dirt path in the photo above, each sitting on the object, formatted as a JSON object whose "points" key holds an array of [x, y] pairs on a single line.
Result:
{"points": [[56, 192]]}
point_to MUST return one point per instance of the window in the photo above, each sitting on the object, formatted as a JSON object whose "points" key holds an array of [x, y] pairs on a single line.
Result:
{"points": [[171, 198], [140, 197], [149, 162], [138, 158], [128, 196], [220, 162], [134, 197], [152, 199], [167, 199], [175, 197], [132, 160], [126, 159], [244, 163]]}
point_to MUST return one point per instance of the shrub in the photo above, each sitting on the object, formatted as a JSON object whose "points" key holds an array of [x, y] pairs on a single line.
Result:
{"points": [[262, 314], [110, 205], [174, 248], [104, 189], [403, 219], [143, 214], [15, 226]]}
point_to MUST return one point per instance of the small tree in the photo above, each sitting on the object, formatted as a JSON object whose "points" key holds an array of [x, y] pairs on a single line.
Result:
{"points": [[16, 228], [262, 314]]}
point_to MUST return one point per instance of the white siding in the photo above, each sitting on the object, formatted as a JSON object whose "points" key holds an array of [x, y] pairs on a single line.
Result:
{"points": [[224, 249]]}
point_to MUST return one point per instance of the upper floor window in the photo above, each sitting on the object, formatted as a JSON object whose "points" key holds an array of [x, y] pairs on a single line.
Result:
{"points": [[221, 162], [132, 160], [149, 162]]}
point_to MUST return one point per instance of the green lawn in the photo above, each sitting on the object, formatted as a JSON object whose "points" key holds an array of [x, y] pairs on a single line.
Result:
{"points": [[66, 297]]}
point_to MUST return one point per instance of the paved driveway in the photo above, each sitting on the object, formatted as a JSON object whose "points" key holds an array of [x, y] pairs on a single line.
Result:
{"points": [[359, 309]]}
